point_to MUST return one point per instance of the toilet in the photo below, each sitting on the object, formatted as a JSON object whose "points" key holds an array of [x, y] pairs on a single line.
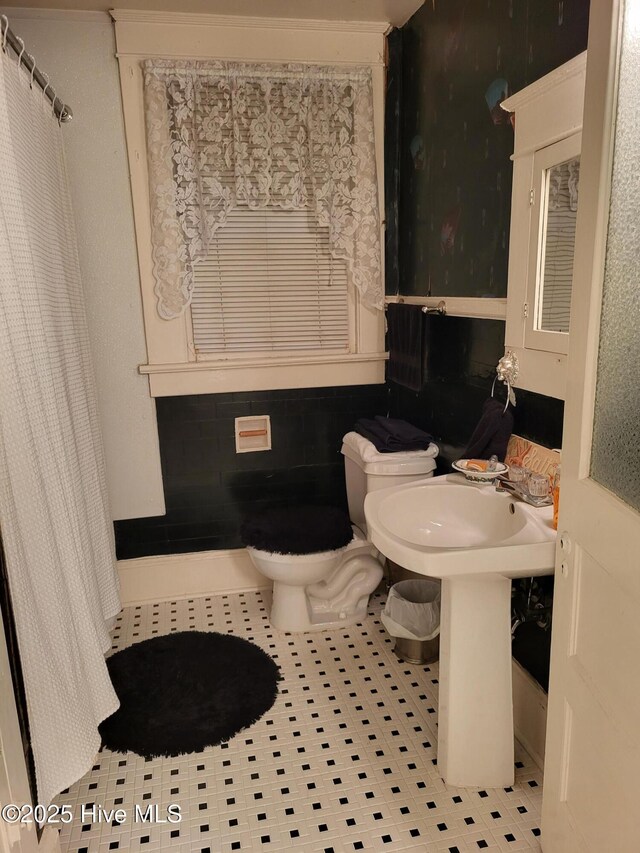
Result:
{"points": [[328, 588]]}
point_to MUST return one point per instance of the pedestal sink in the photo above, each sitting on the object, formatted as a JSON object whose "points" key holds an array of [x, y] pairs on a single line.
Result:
{"points": [[476, 540]]}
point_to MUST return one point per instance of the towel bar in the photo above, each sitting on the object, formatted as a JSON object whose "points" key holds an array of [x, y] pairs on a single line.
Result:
{"points": [[440, 308]]}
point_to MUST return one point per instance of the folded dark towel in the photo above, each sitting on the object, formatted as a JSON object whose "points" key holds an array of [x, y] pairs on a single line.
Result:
{"points": [[403, 431], [391, 435], [492, 434]]}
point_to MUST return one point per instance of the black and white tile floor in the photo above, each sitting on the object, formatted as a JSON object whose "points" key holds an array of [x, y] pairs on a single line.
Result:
{"points": [[344, 761]]}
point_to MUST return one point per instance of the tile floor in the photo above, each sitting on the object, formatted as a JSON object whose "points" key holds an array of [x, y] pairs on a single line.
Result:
{"points": [[344, 761]]}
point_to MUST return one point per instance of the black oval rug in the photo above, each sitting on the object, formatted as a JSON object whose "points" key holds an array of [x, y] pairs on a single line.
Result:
{"points": [[183, 692]]}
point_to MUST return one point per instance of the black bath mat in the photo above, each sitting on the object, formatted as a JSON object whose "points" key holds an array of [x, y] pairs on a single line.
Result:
{"points": [[183, 692]]}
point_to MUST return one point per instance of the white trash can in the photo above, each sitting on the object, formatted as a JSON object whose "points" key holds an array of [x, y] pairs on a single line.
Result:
{"points": [[412, 617]]}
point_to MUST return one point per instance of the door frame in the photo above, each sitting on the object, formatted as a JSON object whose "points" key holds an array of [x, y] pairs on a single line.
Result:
{"points": [[601, 95], [14, 775]]}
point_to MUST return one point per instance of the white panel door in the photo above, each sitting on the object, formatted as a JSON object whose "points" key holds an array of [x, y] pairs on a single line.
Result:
{"points": [[592, 773]]}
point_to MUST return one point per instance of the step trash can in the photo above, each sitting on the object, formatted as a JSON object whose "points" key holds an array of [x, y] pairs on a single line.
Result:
{"points": [[412, 617]]}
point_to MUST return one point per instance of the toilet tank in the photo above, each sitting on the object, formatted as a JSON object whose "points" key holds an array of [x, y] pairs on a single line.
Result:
{"points": [[379, 471]]}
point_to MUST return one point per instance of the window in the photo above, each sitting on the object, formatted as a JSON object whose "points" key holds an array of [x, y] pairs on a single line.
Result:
{"points": [[251, 298], [269, 284]]}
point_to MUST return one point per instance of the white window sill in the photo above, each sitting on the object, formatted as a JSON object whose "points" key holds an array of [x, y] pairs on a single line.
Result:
{"points": [[301, 371]]}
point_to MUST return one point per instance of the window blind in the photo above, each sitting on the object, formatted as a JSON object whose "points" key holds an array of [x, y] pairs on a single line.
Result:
{"points": [[559, 250], [269, 284]]}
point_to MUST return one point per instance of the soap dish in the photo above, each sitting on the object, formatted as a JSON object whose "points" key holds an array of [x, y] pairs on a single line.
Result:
{"points": [[460, 465]]}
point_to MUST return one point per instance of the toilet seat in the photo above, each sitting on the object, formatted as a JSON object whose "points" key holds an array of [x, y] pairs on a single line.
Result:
{"points": [[298, 530], [296, 559]]}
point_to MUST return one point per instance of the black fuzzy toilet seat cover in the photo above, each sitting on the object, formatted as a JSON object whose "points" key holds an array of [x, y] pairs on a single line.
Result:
{"points": [[298, 530]]}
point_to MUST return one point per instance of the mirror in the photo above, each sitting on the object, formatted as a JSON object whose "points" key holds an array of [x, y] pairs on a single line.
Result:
{"points": [[552, 227], [560, 195]]}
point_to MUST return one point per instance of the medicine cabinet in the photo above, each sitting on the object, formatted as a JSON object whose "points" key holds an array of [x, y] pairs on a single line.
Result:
{"points": [[547, 118]]}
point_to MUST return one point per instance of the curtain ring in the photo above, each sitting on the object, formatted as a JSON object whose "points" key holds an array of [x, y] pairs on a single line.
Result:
{"points": [[22, 50], [46, 78], [6, 30], [33, 69], [53, 101]]}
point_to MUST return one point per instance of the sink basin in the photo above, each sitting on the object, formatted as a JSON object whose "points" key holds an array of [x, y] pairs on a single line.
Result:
{"points": [[447, 526], [476, 540]]}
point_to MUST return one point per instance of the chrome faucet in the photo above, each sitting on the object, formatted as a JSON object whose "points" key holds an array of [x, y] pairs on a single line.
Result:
{"points": [[520, 491]]}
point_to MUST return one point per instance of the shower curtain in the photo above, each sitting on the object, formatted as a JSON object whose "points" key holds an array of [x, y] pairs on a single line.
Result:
{"points": [[54, 518]]}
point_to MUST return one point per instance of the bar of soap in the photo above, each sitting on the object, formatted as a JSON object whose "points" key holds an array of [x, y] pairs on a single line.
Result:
{"points": [[477, 465]]}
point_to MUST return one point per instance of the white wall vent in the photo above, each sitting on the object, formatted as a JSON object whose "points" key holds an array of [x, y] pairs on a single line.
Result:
{"points": [[253, 433]]}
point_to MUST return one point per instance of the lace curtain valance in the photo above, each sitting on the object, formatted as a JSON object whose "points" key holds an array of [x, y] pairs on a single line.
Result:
{"points": [[563, 185], [223, 135]]}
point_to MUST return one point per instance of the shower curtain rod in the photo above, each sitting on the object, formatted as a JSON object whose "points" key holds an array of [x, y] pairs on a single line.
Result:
{"points": [[8, 37]]}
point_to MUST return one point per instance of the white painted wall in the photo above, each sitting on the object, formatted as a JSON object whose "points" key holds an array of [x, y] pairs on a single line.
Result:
{"points": [[77, 50]]}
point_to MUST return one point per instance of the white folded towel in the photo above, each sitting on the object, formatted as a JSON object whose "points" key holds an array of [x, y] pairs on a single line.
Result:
{"points": [[368, 451]]}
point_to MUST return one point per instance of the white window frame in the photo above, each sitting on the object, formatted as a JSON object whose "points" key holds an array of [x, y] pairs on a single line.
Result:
{"points": [[544, 159], [172, 366]]}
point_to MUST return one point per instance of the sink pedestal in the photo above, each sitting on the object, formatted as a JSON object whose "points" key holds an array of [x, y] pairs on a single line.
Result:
{"points": [[475, 729], [475, 540]]}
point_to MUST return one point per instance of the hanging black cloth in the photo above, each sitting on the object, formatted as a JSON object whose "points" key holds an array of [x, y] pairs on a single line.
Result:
{"points": [[491, 435], [405, 339]]}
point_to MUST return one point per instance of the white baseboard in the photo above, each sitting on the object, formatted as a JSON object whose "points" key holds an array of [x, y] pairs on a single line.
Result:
{"points": [[174, 576], [529, 713]]}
